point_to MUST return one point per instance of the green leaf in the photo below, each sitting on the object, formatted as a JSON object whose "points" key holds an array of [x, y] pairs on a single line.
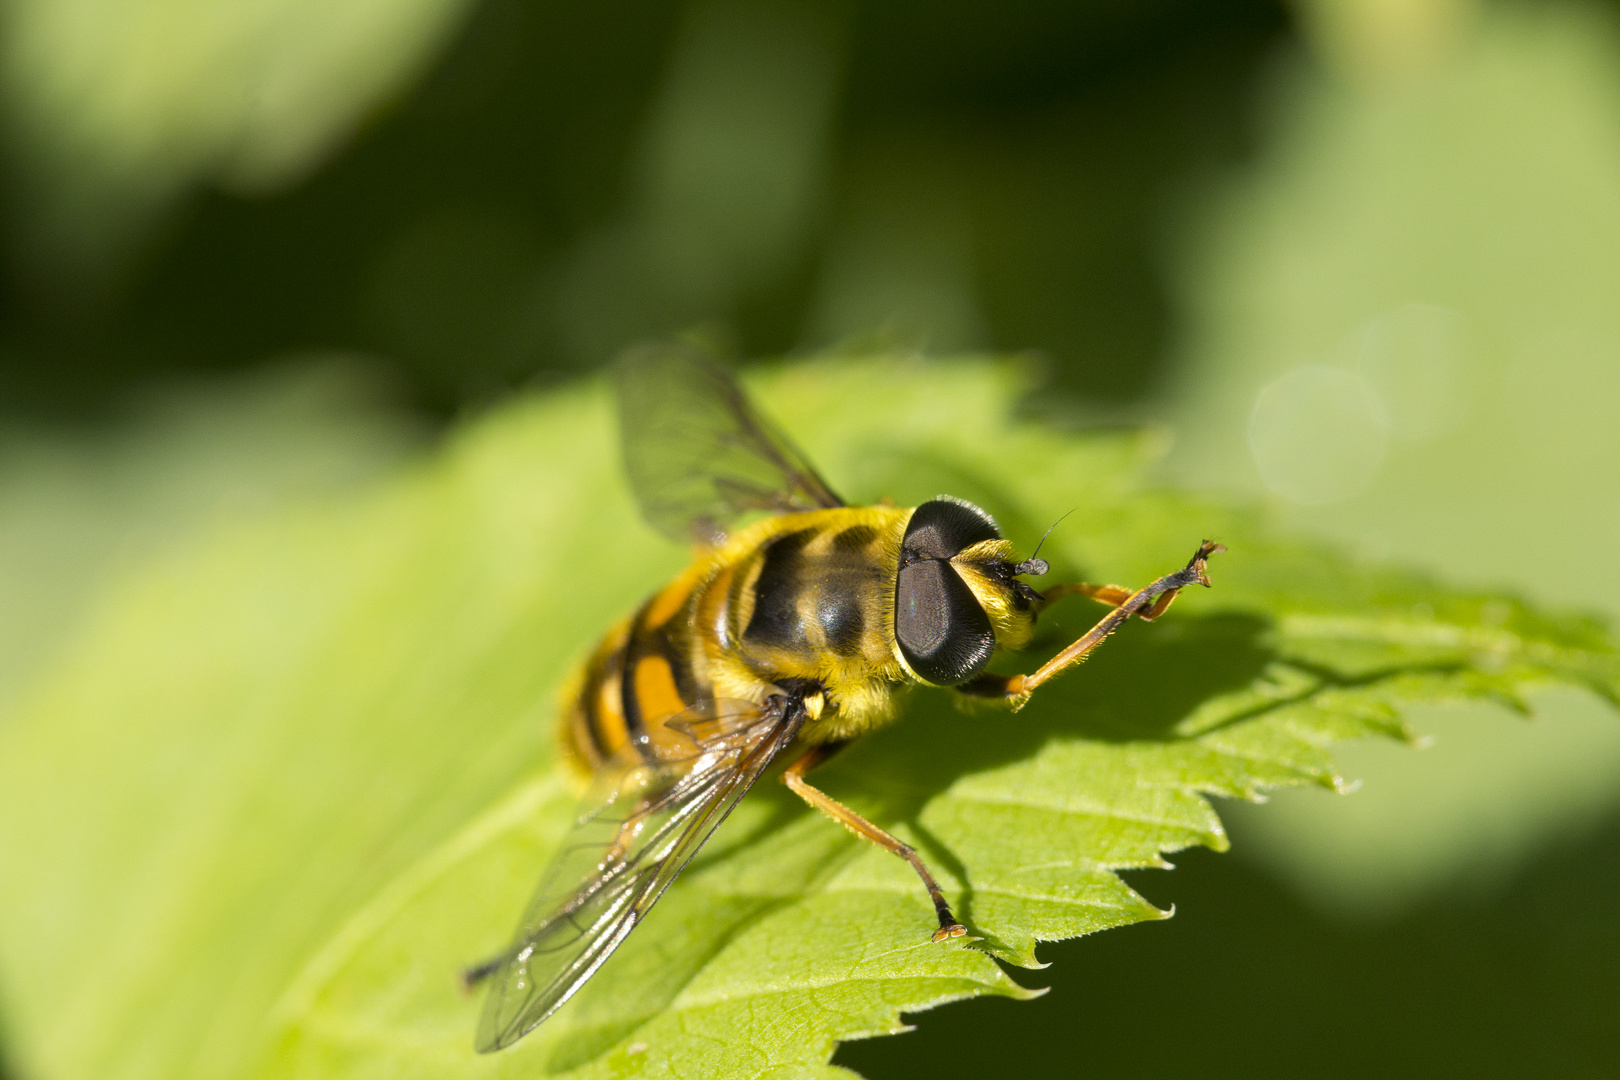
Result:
{"points": [[296, 778]]}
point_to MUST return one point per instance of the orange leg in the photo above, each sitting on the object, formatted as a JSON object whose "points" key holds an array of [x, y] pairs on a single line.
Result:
{"points": [[1112, 595], [1148, 603], [794, 778]]}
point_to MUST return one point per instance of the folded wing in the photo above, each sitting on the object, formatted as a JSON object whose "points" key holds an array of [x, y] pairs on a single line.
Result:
{"points": [[638, 828]]}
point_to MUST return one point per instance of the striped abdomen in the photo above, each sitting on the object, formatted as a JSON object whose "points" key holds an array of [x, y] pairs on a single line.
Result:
{"points": [[803, 596]]}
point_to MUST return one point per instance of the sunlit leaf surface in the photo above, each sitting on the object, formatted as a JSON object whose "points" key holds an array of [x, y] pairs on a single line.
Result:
{"points": [[298, 777]]}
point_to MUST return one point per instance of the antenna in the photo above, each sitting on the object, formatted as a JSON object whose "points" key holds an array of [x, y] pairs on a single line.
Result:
{"points": [[1038, 566]]}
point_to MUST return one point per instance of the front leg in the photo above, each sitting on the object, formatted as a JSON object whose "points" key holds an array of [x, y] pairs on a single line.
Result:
{"points": [[1148, 603]]}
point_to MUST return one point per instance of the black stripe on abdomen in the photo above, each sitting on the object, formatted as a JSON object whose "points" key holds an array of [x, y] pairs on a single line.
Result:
{"points": [[651, 654]]}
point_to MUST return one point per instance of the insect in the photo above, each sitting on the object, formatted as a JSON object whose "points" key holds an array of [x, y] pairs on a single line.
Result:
{"points": [[784, 640]]}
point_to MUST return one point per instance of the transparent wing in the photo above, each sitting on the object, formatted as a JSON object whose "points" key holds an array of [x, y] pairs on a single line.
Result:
{"points": [[638, 828], [698, 453]]}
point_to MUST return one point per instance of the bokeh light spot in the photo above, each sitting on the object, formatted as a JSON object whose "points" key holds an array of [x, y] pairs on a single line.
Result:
{"points": [[1316, 434], [1411, 357]]}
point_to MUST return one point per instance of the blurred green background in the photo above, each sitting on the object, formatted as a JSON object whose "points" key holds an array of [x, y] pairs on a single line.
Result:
{"points": [[1360, 258]]}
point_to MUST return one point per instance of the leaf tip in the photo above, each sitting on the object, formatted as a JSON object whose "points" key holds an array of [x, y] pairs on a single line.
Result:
{"points": [[1026, 993]]}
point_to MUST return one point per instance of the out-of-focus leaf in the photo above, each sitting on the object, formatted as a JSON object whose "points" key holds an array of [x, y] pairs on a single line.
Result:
{"points": [[113, 107], [300, 776], [729, 179], [80, 505]]}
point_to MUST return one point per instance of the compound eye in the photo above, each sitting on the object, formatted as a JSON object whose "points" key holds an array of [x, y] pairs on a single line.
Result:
{"points": [[943, 527], [943, 632]]}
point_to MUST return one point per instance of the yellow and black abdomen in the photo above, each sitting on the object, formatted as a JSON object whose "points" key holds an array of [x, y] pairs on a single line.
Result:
{"points": [[797, 598], [640, 675]]}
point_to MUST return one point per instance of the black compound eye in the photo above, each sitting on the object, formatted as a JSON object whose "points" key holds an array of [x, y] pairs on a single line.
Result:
{"points": [[943, 632], [940, 529]]}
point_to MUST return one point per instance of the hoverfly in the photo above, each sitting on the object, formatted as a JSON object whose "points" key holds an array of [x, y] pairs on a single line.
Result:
{"points": [[785, 639]]}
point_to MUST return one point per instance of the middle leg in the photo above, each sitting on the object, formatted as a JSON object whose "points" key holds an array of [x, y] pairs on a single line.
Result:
{"points": [[794, 779]]}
